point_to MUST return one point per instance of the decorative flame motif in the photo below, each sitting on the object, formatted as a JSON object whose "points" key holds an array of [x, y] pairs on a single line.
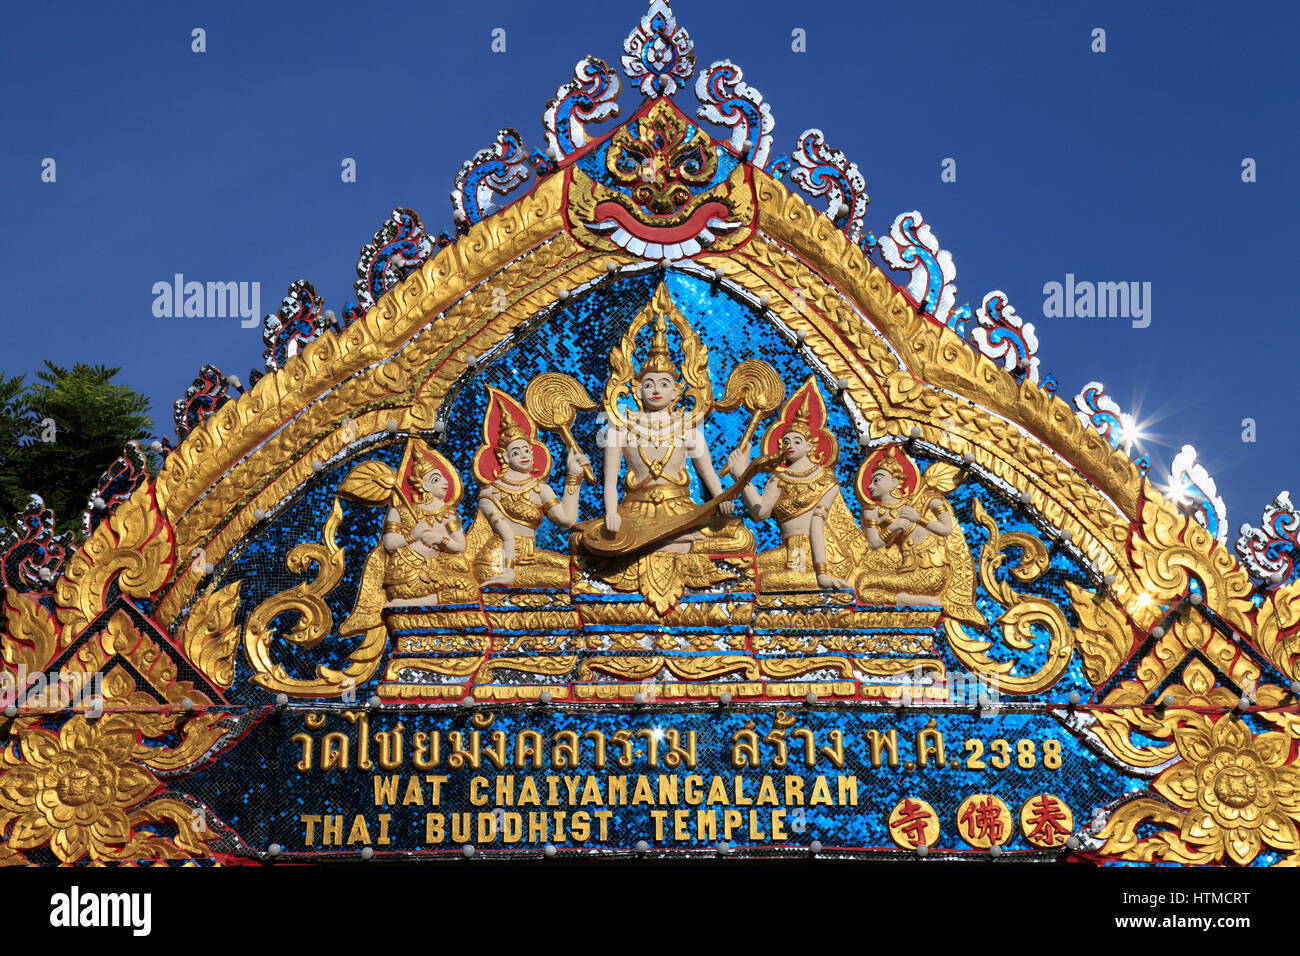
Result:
{"points": [[399, 247], [911, 245], [202, 399], [498, 169], [823, 171], [115, 485], [807, 408], [729, 101], [590, 97], [911, 477], [1098, 410], [1192, 487], [659, 55], [1003, 337], [32, 548], [502, 410], [298, 321], [1269, 551]]}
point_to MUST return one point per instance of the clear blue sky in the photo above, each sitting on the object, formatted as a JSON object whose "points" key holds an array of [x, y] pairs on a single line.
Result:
{"points": [[1122, 166]]}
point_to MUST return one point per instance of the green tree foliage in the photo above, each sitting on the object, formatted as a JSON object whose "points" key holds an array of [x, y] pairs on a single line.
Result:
{"points": [[13, 419], [61, 433]]}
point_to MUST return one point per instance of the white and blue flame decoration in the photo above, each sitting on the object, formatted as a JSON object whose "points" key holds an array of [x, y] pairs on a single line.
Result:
{"points": [[1269, 552], [1193, 490]]}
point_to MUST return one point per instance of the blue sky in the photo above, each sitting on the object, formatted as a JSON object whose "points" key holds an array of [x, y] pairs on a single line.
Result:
{"points": [[1115, 166]]}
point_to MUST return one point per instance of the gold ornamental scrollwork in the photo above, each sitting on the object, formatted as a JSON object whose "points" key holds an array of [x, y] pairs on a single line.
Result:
{"points": [[133, 545], [1169, 548], [313, 624], [210, 635], [1017, 622], [1230, 796]]}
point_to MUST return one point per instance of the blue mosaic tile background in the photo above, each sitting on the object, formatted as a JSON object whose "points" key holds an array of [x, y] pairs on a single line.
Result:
{"points": [[577, 340]]}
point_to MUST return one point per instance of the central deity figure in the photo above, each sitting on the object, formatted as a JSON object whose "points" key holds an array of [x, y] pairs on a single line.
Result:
{"points": [[655, 440]]}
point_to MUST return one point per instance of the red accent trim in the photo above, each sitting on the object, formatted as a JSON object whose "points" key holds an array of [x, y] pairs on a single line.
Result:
{"points": [[665, 234]]}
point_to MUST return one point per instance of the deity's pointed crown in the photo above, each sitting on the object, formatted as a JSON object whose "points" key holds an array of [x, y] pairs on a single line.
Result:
{"points": [[659, 358], [802, 423], [509, 433]]}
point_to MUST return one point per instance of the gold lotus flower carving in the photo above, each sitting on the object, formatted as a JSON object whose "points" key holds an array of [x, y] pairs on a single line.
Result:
{"points": [[1237, 791], [72, 790]]}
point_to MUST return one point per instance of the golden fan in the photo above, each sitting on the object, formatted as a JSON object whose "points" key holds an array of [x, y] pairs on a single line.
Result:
{"points": [[755, 385], [553, 401]]}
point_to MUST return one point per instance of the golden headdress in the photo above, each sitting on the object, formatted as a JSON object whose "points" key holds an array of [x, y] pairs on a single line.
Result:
{"points": [[802, 423], [804, 413], [659, 360], [509, 433], [504, 423], [692, 375]]}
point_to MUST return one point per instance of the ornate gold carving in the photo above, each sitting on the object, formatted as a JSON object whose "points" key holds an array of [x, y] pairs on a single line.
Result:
{"points": [[711, 667], [695, 361], [784, 668], [445, 666], [755, 386], [1167, 547], [199, 731], [1126, 710], [547, 666], [75, 791], [622, 668], [553, 400], [210, 636], [1016, 622], [134, 545], [1104, 637], [659, 172], [662, 165], [1277, 635], [31, 636], [314, 622], [917, 552], [1231, 794], [901, 369]]}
